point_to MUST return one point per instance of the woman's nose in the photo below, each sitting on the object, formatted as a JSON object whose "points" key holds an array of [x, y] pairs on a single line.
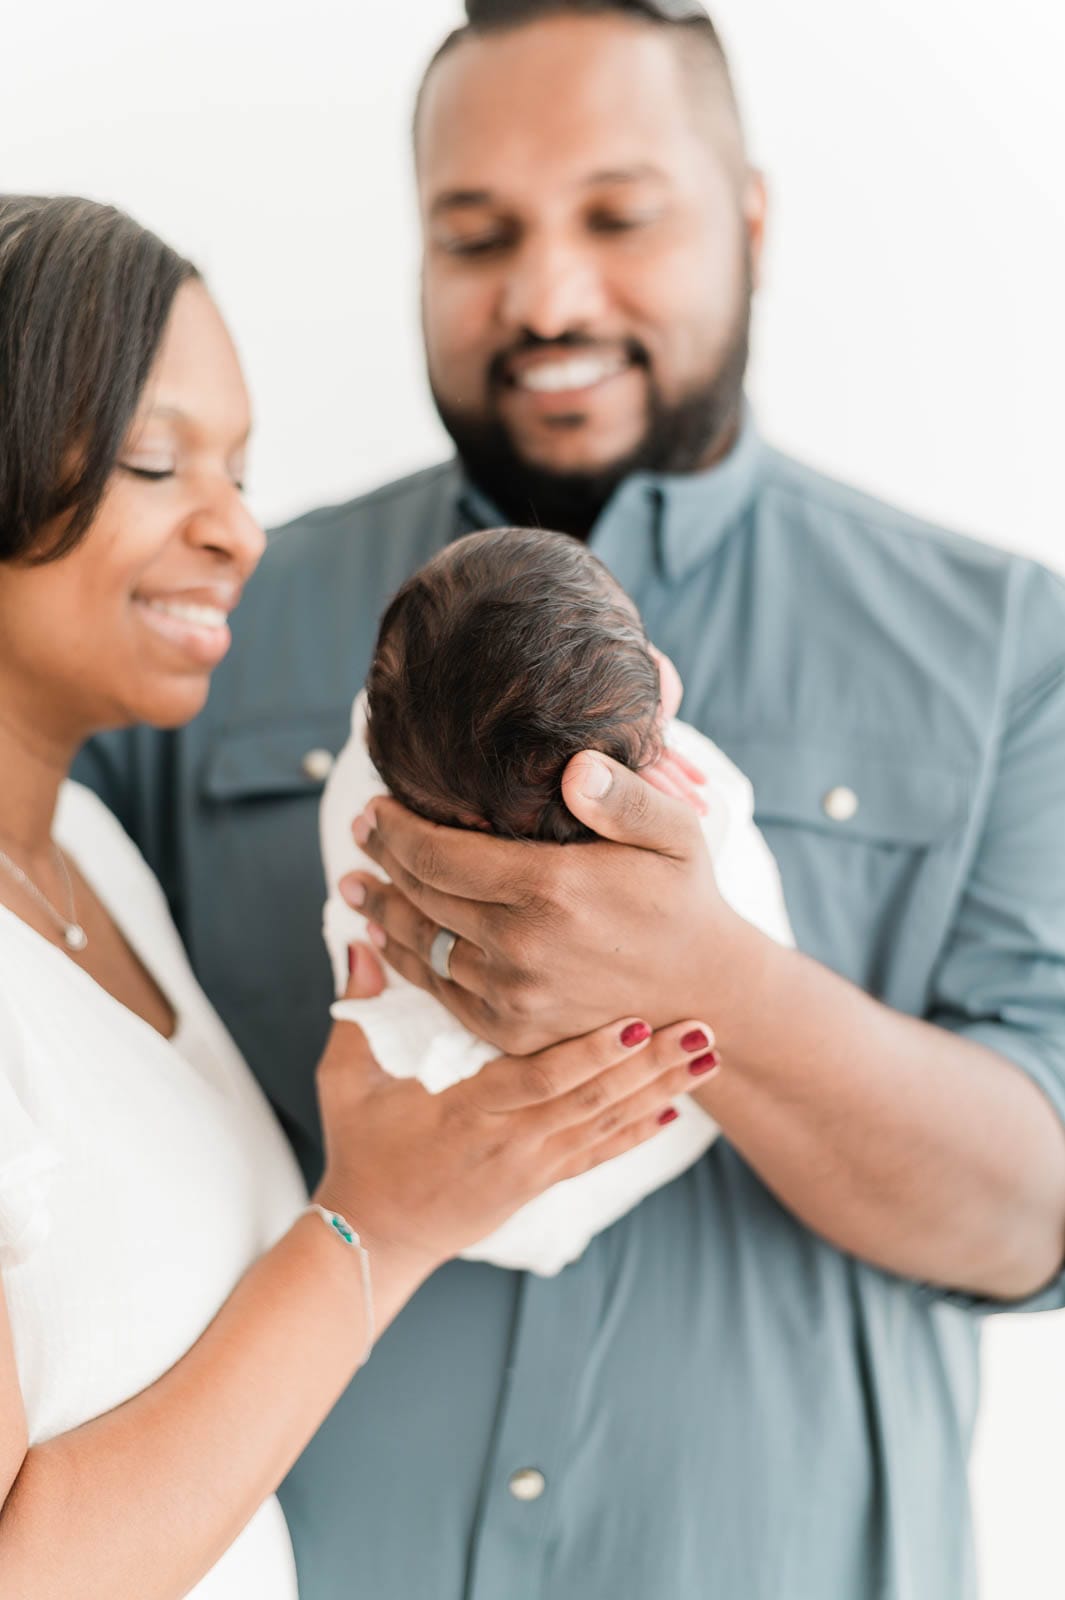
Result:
{"points": [[224, 524]]}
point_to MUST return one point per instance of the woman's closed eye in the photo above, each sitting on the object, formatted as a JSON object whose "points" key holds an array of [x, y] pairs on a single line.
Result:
{"points": [[151, 474], [160, 474]]}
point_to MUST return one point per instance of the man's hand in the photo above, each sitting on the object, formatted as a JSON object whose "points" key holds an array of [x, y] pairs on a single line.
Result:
{"points": [[553, 940], [901, 1142]]}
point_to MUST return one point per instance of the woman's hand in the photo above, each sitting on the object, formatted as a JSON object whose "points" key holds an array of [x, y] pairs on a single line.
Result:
{"points": [[422, 1176]]}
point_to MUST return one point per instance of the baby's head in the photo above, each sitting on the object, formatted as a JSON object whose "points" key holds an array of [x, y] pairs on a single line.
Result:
{"points": [[500, 659]]}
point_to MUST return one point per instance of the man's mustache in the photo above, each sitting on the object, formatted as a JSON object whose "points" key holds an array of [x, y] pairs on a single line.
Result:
{"points": [[499, 366]]}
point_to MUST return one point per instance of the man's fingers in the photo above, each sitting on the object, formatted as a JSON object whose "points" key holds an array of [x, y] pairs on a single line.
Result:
{"points": [[465, 996], [383, 904], [466, 964], [442, 910], [617, 804], [455, 861]]}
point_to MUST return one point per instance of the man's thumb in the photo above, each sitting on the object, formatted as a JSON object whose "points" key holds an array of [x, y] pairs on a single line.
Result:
{"points": [[617, 804]]}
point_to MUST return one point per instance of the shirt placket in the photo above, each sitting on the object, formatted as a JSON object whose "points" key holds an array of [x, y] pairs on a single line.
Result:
{"points": [[525, 1477]]}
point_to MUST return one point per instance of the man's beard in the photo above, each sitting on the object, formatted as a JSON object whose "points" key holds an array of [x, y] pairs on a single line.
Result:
{"points": [[680, 437]]}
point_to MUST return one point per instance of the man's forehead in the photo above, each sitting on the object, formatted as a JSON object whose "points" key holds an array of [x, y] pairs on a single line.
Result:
{"points": [[593, 98]]}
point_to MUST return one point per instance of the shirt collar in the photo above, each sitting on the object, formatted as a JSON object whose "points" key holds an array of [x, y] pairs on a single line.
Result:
{"points": [[684, 516]]}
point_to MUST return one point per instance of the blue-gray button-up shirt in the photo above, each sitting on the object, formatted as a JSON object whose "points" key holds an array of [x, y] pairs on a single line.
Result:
{"points": [[719, 1404]]}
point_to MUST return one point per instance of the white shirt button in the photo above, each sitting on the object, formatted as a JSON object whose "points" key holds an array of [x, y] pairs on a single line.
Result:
{"points": [[317, 765], [527, 1484], [841, 804]]}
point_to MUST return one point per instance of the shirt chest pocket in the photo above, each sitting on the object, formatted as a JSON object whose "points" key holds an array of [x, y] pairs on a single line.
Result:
{"points": [[257, 925], [871, 846], [260, 791]]}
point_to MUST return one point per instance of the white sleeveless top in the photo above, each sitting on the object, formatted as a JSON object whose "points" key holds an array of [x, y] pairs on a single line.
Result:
{"points": [[139, 1177]]}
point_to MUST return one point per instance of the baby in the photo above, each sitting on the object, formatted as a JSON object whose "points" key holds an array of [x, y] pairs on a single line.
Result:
{"points": [[500, 659]]}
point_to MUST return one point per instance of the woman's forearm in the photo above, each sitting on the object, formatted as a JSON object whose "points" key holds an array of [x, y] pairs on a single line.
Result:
{"points": [[139, 1503]]}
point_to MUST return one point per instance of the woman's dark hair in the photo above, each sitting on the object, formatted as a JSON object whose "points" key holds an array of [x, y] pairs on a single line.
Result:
{"points": [[85, 294], [500, 659]]}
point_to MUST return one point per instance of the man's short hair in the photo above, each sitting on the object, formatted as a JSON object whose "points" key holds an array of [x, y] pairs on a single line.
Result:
{"points": [[502, 658], [686, 20]]}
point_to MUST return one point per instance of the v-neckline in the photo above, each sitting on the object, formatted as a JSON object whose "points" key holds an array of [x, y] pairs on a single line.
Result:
{"points": [[125, 932], [84, 977]]}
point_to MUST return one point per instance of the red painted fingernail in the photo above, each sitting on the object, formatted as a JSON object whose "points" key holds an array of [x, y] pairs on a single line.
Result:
{"points": [[703, 1064], [696, 1040], [668, 1116], [634, 1034]]}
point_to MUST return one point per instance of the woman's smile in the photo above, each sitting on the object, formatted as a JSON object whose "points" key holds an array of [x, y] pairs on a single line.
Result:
{"points": [[195, 621]]}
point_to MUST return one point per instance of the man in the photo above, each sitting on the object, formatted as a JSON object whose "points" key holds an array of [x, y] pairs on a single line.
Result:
{"points": [[761, 1385]]}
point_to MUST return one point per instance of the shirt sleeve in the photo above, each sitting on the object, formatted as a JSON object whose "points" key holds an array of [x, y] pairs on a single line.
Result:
{"points": [[1001, 981], [27, 1159]]}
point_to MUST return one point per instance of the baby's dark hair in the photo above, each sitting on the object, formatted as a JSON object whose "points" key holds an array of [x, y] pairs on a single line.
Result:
{"points": [[500, 659]]}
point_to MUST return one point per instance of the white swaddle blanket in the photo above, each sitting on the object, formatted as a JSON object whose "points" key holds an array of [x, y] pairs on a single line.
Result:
{"points": [[412, 1035]]}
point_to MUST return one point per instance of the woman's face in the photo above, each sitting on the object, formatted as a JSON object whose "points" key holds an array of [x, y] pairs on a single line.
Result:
{"points": [[128, 627]]}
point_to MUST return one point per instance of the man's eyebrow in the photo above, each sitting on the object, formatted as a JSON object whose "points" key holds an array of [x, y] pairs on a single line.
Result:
{"points": [[639, 173], [456, 199]]}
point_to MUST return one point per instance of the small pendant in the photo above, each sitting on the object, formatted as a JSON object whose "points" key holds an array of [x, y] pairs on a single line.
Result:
{"points": [[75, 936]]}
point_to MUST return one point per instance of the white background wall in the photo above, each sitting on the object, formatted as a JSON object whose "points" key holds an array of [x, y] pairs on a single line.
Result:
{"points": [[910, 335]]}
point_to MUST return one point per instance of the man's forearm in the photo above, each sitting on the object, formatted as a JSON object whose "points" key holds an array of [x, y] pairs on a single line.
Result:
{"points": [[897, 1141]]}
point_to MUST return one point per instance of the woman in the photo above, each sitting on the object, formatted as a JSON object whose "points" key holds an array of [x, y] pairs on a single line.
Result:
{"points": [[174, 1322]]}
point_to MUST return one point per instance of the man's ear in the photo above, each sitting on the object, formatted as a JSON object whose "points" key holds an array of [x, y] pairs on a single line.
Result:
{"points": [[755, 204]]}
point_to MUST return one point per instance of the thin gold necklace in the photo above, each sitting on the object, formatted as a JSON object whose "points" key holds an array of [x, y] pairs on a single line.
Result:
{"points": [[74, 935]]}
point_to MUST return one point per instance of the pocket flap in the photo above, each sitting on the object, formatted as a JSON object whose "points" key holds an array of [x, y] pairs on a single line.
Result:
{"points": [[853, 792], [285, 758]]}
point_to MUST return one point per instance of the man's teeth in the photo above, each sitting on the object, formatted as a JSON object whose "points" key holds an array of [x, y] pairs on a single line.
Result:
{"points": [[203, 616], [581, 372]]}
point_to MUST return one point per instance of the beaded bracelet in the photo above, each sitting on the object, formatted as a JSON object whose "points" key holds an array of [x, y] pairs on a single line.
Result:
{"points": [[345, 1232]]}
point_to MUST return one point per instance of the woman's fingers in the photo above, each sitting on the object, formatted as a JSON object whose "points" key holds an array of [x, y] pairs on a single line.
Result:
{"points": [[618, 1143], [673, 1062], [365, 977], [571, 1082], [650, 1107], [517, 1083]]}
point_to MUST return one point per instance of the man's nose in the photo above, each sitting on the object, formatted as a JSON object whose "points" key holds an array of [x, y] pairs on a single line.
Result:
{"points": [[224, 524], [552, 287]]}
